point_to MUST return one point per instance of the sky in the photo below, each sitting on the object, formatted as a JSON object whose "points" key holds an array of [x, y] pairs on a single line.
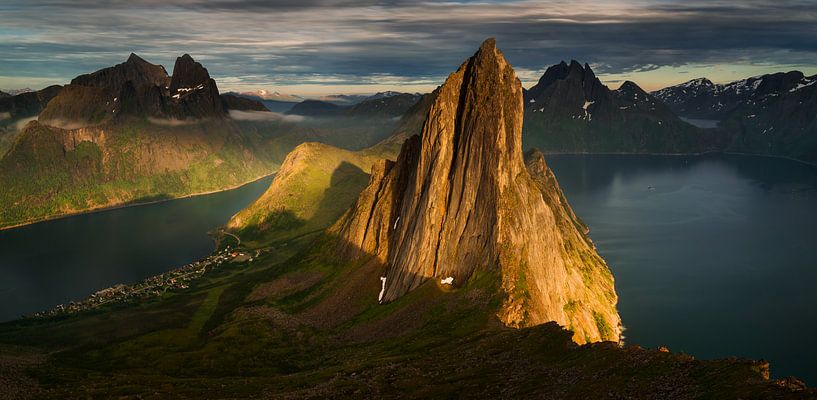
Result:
{"points": [[319, 47]]}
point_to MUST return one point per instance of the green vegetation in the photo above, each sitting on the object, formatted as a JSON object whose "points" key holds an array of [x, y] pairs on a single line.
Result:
{"points": [[316, 184], [310, 327], [605, 330], [50, 172]]}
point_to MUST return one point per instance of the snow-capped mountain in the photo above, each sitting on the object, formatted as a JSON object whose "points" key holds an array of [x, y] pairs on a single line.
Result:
{"points": [[570, 110], [700, 98], [264, 94]]}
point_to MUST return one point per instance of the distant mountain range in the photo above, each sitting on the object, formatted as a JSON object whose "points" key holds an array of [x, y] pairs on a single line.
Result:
{"points": [[274, 96], [14, 92], [126, 133], [700, 98], [434, 261], [282, 103], [17, 109], [387, 105], [133, 133], [570, 110], [774, 114], [195, 139]]}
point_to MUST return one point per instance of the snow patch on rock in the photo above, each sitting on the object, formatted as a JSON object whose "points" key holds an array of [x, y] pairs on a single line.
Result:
{"points": [[382, 289]]}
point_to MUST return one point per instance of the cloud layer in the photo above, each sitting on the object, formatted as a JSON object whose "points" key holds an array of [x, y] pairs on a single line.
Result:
{"points": [[344, 44]]}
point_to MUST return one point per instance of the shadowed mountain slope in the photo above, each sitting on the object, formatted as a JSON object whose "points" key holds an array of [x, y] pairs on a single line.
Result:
{"points": [[570, 110], [773, 114], [459, 200], [300, 320], [128, 133], [317, 183]]}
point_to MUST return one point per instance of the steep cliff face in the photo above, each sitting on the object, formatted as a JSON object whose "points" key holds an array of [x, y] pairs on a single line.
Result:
{"points": [[459, 199], [26, 104], [317, 183], [127, 133], [570, 110], [137, 88], [771, 114], [193, 93]]}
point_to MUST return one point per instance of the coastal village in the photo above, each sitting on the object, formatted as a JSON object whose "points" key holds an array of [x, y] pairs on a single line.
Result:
{"points": [[154, 286]]}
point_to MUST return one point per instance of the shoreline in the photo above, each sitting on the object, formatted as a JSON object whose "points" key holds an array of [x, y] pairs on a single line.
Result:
{"points": [[116, 207], [137, 204], [704, 153]]}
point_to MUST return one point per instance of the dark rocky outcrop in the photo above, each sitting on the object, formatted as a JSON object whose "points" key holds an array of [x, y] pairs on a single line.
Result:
{"points": [[193, 92], [137, 88], [122, 134], [316, 108], [28, 104], [382, 105], [389, 105], [570, 110], [701, 98], [241, 103], [772, 114], [460, 200], [135, 71]]}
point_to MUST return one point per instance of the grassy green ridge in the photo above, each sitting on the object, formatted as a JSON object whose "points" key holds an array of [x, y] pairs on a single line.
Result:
{"points": [[315, 185], [50, 172], [46, 175]]}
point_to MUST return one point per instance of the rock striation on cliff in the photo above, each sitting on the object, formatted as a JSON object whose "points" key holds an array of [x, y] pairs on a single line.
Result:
{"points": [[460, 200]]}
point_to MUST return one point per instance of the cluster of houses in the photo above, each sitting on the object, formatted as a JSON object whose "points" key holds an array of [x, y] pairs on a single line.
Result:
{"points": [[177, 279]]}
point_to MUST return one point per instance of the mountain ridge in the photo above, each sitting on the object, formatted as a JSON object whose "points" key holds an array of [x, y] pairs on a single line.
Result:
{"points": [[459, 201], [298, 320], [128, 133], [771, 114], [570, 110]]}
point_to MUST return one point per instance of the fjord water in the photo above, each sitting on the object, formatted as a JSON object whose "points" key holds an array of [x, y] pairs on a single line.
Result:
{"points": [[714, 256], [53, 262]]}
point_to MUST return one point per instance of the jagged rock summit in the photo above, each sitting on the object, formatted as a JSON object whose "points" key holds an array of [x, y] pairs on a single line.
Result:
{"points": [[571, 110], [137, 88], [460, 200]]}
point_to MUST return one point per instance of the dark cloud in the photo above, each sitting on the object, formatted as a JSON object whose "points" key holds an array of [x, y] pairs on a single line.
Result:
{"points": [[332, 42]]}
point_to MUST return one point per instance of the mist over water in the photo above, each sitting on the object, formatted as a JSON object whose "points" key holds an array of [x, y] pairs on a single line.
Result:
{"points": [[714, 256], [53, 262]]}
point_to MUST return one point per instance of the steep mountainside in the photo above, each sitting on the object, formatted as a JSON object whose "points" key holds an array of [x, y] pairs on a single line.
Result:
{"points": [[459, 201], [773, 114], [27, 104], [700, 98], [299, 320], [17, 110], [124, 134], [570, 110], [269, 102], [234, 102], [137, 88], [381, 105], [316, 108], [317, 183]]}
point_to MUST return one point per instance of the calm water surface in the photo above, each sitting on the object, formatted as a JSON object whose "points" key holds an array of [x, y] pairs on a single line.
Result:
{"points": [[702, 123], [54, 262], [714, 256]]}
